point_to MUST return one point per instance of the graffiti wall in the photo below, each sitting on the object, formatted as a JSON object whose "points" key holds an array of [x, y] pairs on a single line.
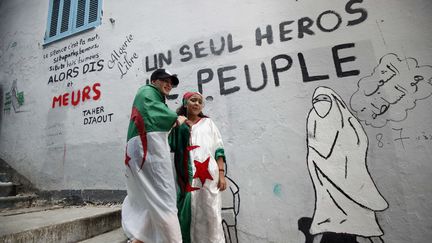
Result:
{"points": [[324, 107]]}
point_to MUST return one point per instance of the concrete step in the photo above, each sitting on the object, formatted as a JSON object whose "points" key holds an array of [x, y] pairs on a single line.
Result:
{"points": [[17, 201], [114, 236], [16, 211], [68, 224]]}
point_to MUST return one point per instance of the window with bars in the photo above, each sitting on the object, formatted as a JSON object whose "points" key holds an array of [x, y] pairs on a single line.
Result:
{"points": [[68, 17]]}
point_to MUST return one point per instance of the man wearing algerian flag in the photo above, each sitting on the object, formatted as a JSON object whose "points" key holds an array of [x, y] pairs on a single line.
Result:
{"points": [[149, 212]]}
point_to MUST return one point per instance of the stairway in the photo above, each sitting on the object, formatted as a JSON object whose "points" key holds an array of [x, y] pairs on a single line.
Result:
{"points": [[62, 224], [26, 218], [13, 194]]}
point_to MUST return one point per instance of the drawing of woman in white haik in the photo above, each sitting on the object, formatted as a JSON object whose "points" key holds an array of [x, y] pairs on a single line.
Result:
{"points": [[346, 196]]}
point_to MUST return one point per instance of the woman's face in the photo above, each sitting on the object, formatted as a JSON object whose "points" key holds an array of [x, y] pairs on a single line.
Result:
{"points": [[322, 104], [194, 105]]}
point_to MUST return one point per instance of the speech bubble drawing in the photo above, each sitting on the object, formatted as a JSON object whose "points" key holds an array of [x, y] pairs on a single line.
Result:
{"points": [[392, 89]]}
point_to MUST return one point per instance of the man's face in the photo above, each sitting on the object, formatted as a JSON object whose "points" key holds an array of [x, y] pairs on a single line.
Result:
{"points": [[163, 85]]}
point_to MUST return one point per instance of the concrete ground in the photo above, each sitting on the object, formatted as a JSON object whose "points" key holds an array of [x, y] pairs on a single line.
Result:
{"points": [[61, 224]]}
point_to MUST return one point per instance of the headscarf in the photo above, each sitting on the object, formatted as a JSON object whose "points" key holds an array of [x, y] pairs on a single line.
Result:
{"points": [[345, 155], [189, 94]]}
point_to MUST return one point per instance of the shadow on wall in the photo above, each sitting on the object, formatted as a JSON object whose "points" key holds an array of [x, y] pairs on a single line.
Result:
{"points": [[304, 224]]}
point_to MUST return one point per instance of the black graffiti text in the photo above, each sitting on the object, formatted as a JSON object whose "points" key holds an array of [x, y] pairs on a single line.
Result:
{"points": [[400, 137], [57, 67], [58, 77], [157, 61], [93, 67], [96, 116], [97, 119], [125, 64], [196, 50], [202, 49], [75, 71], [88, 58], [379, 138], [93, 111], [327, 21], [227, 75], [74, 53], [424, 137], [121, 58]]}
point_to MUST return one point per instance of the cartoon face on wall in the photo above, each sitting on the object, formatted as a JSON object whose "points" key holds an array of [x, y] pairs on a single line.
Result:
{"points": [[322, 104]]}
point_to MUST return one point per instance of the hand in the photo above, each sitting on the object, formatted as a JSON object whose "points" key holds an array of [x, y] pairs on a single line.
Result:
{"points": [[181, 120], [222, 184], [189, 123]]}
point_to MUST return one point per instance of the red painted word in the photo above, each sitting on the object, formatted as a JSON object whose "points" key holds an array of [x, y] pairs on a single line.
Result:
{"points": [[76, 96]]}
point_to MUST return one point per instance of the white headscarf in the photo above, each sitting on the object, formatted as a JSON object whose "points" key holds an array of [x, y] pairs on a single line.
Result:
{"points": [[337, 147]]}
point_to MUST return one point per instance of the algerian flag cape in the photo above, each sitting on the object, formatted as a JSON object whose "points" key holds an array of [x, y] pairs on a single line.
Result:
{"points": [[199, 201], [149, 211]]}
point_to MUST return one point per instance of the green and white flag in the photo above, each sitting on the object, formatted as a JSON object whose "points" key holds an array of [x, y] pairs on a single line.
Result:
{"points": [[199, 201], [149, 211]]}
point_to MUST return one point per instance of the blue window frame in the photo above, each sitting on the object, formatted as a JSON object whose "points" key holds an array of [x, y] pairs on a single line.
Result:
{"points": [[68, 17]]}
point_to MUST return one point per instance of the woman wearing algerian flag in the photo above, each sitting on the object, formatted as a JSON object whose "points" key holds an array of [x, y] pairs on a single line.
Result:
{"points": [[199, 159], [149, 212]]}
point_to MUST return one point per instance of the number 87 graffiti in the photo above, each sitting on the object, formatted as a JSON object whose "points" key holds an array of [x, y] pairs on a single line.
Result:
{"points": [[380, 138]]}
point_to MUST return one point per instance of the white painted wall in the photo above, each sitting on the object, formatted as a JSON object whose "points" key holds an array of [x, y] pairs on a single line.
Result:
{"points": [[264, 131]]}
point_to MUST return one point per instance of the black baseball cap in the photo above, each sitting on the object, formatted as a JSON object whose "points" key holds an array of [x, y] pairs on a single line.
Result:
{"points": [[163, 73]]}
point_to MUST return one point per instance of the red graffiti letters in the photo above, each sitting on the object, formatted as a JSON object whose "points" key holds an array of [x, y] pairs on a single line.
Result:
{"points": [[77, 96]]}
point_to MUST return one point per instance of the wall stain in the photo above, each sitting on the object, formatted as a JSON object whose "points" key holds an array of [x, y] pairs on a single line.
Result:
{"points": [[277, 189]]}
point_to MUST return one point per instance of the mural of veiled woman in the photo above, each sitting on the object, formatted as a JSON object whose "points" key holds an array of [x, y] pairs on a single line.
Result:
{"points": [[346, 196]]}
